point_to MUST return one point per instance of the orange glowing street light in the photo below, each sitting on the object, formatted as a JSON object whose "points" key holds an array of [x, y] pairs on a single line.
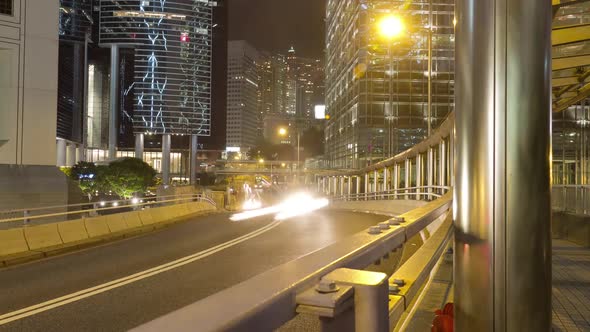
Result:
{"points": [[391, 26], [282, 131]]}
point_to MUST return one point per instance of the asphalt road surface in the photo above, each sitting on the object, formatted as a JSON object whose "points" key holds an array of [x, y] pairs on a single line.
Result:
{"points": [[124, 284]]}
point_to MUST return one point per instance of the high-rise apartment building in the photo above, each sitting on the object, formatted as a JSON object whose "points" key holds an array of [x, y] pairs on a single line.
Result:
{"points": [[243, 88], [377, 90]]}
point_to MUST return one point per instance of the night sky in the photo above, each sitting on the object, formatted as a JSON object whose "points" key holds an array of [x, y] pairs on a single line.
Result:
{"points": [[275, 25]]}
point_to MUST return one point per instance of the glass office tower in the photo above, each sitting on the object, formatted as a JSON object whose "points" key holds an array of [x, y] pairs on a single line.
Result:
{"points": [[377, 89], [172, 43]]}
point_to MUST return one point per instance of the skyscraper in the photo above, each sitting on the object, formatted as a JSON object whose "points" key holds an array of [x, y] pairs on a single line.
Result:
{"points": [[172, 69], [243, 85], [377, 90]]}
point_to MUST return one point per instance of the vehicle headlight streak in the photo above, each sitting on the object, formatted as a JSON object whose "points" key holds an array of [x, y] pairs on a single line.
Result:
{"points": [[296, 205]]}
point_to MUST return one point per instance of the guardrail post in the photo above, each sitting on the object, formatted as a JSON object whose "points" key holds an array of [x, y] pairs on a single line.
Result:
{"points": [[26, 215], [442, 160], [419, 175], [430, 171], [395, 180], [371, 297], [366, 186], [358, 187], [407, 178]]}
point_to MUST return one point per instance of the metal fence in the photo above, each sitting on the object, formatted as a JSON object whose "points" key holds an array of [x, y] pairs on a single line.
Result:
{"points": [[59, 213], [571, 199]]}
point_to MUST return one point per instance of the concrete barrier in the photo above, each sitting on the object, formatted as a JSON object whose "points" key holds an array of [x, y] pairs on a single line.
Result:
{"points": [[116, 223], [395, 207], [132, 219], [72, 231], [18, 245], [146, 217], [42, 236], [97, 226], [12, 241]]}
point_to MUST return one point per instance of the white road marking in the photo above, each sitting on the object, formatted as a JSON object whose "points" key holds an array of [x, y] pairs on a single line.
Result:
{"points": [[77, 296]]}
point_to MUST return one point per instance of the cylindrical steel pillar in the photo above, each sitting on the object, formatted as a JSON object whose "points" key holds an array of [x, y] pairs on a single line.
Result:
{"points": [[430, 169], [61, 153], [376, 181], [442, 163], [386, 179], [419, 176], [166, 142], [366, 184], [193, 161], [503, 215], [114, 101], [139, 144]]}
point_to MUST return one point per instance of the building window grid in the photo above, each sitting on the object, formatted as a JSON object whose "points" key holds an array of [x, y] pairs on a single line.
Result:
{"points": [[6, 7], [347, 143]]}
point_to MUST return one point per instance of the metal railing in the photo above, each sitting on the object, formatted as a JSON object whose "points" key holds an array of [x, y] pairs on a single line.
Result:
{"points": [[418, 193], [571, 199], [271, 299], [58, 213]]}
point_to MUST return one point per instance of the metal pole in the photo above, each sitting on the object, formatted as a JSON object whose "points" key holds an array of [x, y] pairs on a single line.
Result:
{"points": [[442, 162], [502, 197], [419, 175], [429, 67], [114, 94], [166, 142], [407, 177], [395, 180]]}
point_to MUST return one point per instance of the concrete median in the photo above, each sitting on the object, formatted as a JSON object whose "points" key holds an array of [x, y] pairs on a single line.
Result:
{"points": [[97, 227], [72, 231], [12, 241], [32, 242], [43, 237]]}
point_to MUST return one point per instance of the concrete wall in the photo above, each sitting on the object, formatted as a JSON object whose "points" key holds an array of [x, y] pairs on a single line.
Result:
{"points": [[574, 228], [28, 83], [394, 207]]}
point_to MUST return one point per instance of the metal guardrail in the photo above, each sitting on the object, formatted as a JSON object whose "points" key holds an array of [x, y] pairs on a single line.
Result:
{"points": [[418, 193], [571, 198], [94, 208], [271, 299]]}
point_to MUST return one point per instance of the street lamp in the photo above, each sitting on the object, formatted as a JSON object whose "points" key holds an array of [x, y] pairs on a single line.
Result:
{"points": [[391, 27]]}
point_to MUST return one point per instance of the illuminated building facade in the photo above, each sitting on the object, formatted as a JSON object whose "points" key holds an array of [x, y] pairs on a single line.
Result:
{"points": [[377, 90], [243, 85], [172, 43]]}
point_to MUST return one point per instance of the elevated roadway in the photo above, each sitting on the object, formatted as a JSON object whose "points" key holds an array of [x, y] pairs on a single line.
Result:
{"points": [[121, 285]]}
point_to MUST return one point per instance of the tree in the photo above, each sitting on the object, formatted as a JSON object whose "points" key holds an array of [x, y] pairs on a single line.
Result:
{"points": [[128, 176], [88, 176]]}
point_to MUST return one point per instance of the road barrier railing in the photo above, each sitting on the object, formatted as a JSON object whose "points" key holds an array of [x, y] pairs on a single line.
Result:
{"points": [[329, 283], [60, 213], [412, 193], [573, 199]]}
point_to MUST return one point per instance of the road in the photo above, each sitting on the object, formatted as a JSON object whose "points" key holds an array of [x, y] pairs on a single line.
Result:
{"points": [[123, 284]]}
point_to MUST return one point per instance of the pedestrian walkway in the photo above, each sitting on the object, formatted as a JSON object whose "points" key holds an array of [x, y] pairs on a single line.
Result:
{"points": [[571, 287]]}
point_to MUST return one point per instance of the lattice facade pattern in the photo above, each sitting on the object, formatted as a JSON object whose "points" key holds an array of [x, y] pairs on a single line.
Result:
{"points": [[172, 42]]}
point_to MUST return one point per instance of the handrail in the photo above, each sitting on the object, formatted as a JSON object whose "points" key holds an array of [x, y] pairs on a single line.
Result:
{"points": [[51, 207], [571, 199], [401, 193], [95, 209], [268, 300]]}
